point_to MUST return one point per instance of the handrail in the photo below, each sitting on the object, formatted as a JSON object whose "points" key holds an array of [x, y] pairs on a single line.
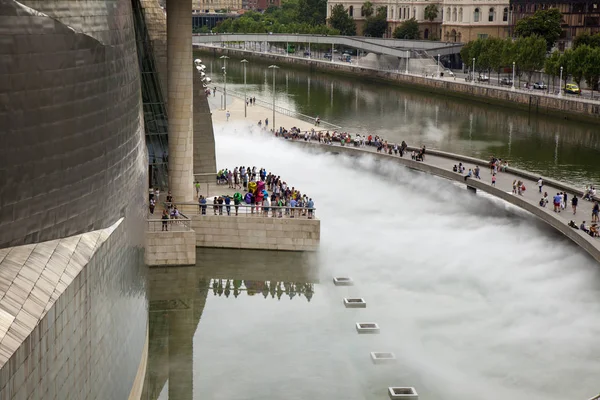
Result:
{"points": [[596, 397], [284, 111], [181, 224], [247, 210]]}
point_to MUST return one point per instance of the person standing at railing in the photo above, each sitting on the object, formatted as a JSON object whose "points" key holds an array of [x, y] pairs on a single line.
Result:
{"points": [[227, 201], [310, 205], [292, 206], [202, 205], [165, 219]]}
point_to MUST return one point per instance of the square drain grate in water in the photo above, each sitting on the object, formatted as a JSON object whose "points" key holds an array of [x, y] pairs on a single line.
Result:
{"points": [[355, 303], [367, 327], [382, 358], [343, 281], [403, 393]]}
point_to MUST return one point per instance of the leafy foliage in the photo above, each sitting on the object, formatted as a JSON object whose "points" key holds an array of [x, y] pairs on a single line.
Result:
{"points": [[367, 9], [284, 19], [431, 12], [530, 53], [409, 29], [376, 25], [586, 39], [341, 21], [544, 23]]}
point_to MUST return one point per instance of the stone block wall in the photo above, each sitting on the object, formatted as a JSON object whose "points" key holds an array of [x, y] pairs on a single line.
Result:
{"points": [[257, 232], [171, 248]]}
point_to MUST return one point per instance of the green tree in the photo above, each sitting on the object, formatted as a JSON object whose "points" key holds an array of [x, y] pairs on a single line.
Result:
{"points": [[431, 12], [341, 21], [530, 54], [586, 39], [376, 25], [552, 66], [544, 23], [577, 63], [565, 63], [592, 69], [409, 29], [367, 9], [494, 48], [313, 12]]}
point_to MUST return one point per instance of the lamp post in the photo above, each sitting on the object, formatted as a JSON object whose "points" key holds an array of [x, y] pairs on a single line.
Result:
{"points": [[513, 79], [438, 67], [244, 61], [274, 68], [224, 68], [473, 73], [560, 83]]}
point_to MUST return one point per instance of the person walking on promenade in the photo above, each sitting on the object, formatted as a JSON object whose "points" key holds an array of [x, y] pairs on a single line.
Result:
{"points": [[565, 200], [494, 180], [574, 202], [556, 202], [595, 212], [515, 186], [228, 114], [165, 218], [254, 100], [477, 172], [202, 205], [152, 205], [540, 183], [197, 186], [266, 122]]}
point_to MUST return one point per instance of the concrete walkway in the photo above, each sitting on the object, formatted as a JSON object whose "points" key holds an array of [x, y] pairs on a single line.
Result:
{"points": [[441, 163]]}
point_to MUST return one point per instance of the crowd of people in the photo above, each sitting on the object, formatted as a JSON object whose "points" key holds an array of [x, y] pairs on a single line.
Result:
{"points": [[264, 193]]}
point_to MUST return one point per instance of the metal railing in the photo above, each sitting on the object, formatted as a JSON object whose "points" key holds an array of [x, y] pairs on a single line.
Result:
{"points": [[285, 111], [596, 397], [181, 224], [246, 210]]}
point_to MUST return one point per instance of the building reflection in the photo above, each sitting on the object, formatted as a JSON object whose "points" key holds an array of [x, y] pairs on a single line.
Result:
{"points": [[277, 289], [177, 297]]}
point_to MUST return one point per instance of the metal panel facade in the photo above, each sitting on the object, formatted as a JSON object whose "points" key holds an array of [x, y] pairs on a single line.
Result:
{"points": [[72, 151]]}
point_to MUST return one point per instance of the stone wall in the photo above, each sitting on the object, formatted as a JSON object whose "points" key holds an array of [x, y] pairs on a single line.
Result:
{"points": [[240, 232], [170, 248], [565, 106]]}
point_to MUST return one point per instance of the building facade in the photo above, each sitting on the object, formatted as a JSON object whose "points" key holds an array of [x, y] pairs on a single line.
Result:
{"points": [[73, 184], [456, 20], [466, 20], [578, 16]]}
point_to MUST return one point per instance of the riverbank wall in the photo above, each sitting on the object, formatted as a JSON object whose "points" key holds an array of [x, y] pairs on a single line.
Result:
{"points": [[565, 107]]}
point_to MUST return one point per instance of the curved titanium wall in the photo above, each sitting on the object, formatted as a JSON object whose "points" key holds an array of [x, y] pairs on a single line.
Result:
{"points": [[72, 151]]}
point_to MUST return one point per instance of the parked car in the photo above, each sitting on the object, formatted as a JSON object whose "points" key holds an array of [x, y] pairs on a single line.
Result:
{"points": [[483, 78], [506, 81], [307, 54], [572, 88], [448, 73], [540, 85], [327, 56]]}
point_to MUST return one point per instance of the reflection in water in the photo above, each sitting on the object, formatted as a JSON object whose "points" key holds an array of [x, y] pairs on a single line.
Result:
{"points": [[471, 128], [236, 286], [178, 297]]}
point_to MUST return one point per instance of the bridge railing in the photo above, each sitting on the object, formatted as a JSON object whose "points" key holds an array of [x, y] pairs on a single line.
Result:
{"points": [[169, 225], [246, 210], [284, 111]]}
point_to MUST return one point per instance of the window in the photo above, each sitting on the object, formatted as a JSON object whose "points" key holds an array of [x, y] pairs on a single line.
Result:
{"points": [[476, 15], [460, 14], [448, 14], [408, 13], [351, 11], [482, 36], [454, 14], [505, 14], [492, 15], [415, 12]]}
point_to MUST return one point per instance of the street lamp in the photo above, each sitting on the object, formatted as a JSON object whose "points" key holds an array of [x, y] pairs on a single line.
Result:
{"points": [[473, 73], [560, 83], [224, 68], [438, 67], [244, 61], [513, 79], [274, 68]]}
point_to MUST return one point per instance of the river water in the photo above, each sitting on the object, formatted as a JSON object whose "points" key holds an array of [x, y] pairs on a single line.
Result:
{"points": [[476, 299], [558, 148]]}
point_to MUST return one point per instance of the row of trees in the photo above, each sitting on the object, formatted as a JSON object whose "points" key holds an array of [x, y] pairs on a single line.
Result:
{"points": [[294, 16], [529, 56]]}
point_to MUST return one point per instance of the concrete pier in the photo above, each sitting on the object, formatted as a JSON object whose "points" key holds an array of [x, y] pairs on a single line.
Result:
{"points": [[180, 95]]}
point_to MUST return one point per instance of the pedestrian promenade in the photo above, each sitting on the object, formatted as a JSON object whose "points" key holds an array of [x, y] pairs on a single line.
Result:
{"points": [[441, 164]]}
